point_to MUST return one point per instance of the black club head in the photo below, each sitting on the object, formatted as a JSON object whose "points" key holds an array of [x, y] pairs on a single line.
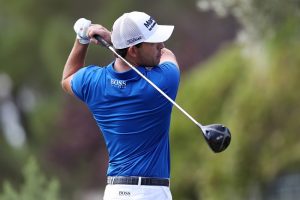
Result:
{"points": [[217, 136]]}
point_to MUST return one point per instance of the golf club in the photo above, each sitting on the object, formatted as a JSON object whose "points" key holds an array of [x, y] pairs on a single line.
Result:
{"points": [[217, 136]]}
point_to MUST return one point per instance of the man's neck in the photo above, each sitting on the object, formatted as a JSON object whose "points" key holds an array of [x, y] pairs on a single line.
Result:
{"points": [[121, 66]]}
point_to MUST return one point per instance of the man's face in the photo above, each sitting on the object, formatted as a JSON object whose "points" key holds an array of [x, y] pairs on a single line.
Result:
{"points": [[149, 54]]}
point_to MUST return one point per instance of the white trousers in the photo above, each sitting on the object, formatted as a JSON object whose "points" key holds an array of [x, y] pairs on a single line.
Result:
{"points": [[136, 192]]}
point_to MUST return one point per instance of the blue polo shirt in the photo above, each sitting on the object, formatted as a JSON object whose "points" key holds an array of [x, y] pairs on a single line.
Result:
{"points": [[133, 117]]}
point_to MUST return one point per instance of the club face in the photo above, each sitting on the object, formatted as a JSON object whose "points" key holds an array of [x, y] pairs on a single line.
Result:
{"points": [[217, 136]]}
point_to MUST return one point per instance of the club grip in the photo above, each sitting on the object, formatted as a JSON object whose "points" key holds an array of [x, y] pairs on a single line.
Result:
{"points": [[102, 41]]}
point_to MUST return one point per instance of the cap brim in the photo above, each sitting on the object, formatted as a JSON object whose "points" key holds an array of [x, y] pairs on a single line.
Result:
{"points": [[161, 34]]}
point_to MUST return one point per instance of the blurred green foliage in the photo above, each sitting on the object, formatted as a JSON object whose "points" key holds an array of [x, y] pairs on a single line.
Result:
{"points": [[251, 87], [35, 186], [260, 103], [259, 19]]}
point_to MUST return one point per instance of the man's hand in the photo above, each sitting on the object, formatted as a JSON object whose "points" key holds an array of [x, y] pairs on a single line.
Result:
{"points": [[81, 27], [96, 29], [86, 31]]}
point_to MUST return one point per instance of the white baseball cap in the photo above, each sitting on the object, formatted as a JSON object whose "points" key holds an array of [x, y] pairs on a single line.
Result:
{"points": [[136, 27]]}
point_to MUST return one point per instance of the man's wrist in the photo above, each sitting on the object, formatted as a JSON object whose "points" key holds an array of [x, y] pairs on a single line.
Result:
{"points": [[83, 40]]}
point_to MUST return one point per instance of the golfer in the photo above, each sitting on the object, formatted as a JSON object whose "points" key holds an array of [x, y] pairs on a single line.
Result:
{"points": [[133, 117]]}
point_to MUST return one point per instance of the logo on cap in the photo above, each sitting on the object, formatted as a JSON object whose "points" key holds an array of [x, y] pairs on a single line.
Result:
{"points": [[132, 40], [150, 23]]}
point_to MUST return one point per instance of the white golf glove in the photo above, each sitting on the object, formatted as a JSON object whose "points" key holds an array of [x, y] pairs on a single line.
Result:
{"points": [[80, 27]]}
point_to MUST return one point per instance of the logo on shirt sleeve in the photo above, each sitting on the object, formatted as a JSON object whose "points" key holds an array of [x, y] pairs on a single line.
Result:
{"points": [[118, 83]]}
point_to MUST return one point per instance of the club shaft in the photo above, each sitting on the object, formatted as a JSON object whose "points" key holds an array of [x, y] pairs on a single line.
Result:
{"points": [[104, 43]]}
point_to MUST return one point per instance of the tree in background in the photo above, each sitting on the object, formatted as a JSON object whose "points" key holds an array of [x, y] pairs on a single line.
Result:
{"points": [[250, 86], [35, 186], [259, 19]]}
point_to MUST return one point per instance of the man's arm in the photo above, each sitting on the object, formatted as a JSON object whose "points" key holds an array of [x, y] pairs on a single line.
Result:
{"points": [[74, 62], [168, 56], [76, 59]]}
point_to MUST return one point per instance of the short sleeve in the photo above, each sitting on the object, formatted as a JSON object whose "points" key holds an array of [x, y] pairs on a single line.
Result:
{"points": [[171, 72], [170, 78], [81, 82]]}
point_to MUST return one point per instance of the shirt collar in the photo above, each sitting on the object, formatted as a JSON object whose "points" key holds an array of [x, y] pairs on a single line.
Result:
{"points": [[127, 75]]}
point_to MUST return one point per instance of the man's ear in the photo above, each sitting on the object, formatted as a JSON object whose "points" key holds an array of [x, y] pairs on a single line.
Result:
{"points": [[132, 52]]}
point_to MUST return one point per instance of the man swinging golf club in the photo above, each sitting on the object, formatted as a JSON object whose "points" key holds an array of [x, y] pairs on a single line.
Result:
{"points": [[133, 117]]}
